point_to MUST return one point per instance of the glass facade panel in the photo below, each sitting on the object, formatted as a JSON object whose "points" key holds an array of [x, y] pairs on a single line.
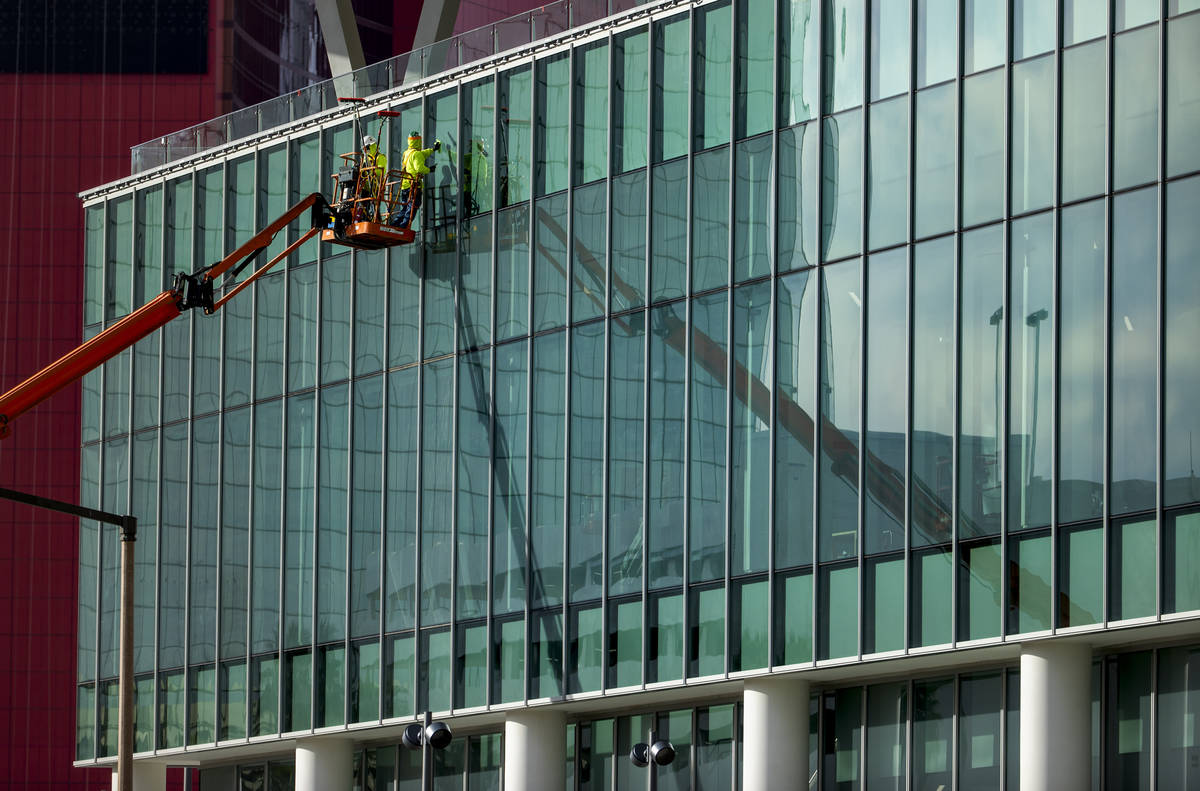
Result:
{"points": [[980, 581], [1084, 20], [1030, 596], [668, 230], [1183, 96], [933, 364], [710, 219], [980, 721], [478, 117], [589, 261], [891, 46], [887, 729], [437, 492], [1181, 424], [669, 101], [510, 451], [933, 166], [983, 147], [933, 733], [403, 461], [755, 47], [551, 139], [750, 432], [841, 393], [841, 186], [1031, 177], [1081, 576], [931, 588], [665, 458], [1128, 761], [796, 353], [937, 41], [797, 200], [1131, 588], [550, 262], [1084, 101], [754, 174], [798, 43], [1135, 108], [472, 453], [515, 142], [1034, 28], [884, 606], [887, 174], [843, 61], [841, 749], [885, 445], [546, 473], [630, 98], [585, 509], [711, 80], [708, 463]]}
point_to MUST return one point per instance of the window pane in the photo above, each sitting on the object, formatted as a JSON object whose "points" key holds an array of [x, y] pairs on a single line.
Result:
{"points": [[515, 89], [508, 495], [793, 619], [884, 606], [841, 213], [933, 733], [398, 697], [710, 219], [934, 165], [239, 205], [713, 44], [1084, 100], [983, 148], [714, 748], [588, 259], [887, 173], [553, 109], [335, 318], [887, 729], [1029, 594], [1135, 108], [333, 464], [172, 549], [433, 681], [1031, 354], [94, 256], [797, 61], [1033, 28], [1131, 13], [748, 632], [756, 58], [980, 701], [707, 429], [983, 34], [706, 656], [843, 54], [470, 667], [235, 532], [547, 469], [1033, 135], [981, 386], [364, 682], [512, 273], [330, 687], [797, 234], [796, 348], [625, 624], [628, 218], [932, 593], [752, 220], [841, 388], [302, 328], [665, 652], [1081, 384], [1083, 20], [1081, 576], [508, 668], [305, 177], [473, 453], [1132, 569], [630, 96], [546, 655], [1178, 687], [937, 40], [932, 391], [401, 514], [202, 541], [890, 46], [750, 440], [1127, 726], [366, 500], [887, 411], [1182, 423], [979, 591], [670, 92], [1182, 588], [550, 262], [1183, 95], [266, 518], [148, 278], [441, 187], [585, 510], [437, 460], [1134, 351], [478, 103], [839, 595], [668, 389], [202, 705], [475, 284], [118, 274], [668, 231]]}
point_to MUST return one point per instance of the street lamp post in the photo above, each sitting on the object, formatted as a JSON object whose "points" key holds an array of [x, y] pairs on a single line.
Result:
{"points": [[427, 737], [652, 753], [128, 525]]}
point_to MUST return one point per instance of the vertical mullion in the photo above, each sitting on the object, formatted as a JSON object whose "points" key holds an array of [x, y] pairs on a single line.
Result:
{"points": [[1160, 340], [418, 507], [815, 640], [647, 251], [772, 331], [863, 328], [606, 454], [281, 586], [731, 354], [955, 450]]}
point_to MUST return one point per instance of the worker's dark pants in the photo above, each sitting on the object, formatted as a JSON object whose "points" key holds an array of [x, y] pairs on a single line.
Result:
{"points": [[404, 216]]}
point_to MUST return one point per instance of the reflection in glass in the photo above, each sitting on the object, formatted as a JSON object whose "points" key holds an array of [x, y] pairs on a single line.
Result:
{"points": [[475, 283], [750, 440], [585, 511], [841, 391], [749, 609], [706, 643], [1183, 95], [546, 469], [590, 120], [884, 446], [628, 219], [983, 148], [979, 591], [890, 45], [793, 626], [983, 34], [841, 186], [1131, 574], [437, 507], [1084, 20], [981, 384], [473, 454], [887, 732], [980, 707], [1081, 363], [399, 566], [937, 41], [333, 464], [843, 63], [671, 60], [934, 161], [1178, 681], [1128, 759], [1134, 366], [589, 273], [235, 533], [335, 319], [551, 139], [838, 635], [1135, 108], [508, 474], [1031, 377], [932, 595], [370, 298], [512, 272], [1030, 596], [796, 348], [932, 391], [665, 448], [550, 262], [665, 634], [713, 45], [797, 230], [1081, 576], [478, 105], [797, 48], [202, 544], [752, 217], [1182, 365], [630, 94], [626, 384], [755, 33], [1032, 173], [668, 230], [1034, 24], [842, 745], [1131, 13], [710, 219], [515, 140], [366, 500], [883, 614], [707, 431], [887, 174]]}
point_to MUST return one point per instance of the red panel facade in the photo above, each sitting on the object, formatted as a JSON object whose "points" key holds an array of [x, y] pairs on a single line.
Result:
{"points": [[62, 134]]}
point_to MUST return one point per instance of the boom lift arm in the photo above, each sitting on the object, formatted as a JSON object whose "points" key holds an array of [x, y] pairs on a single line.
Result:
{"points": [[188, 291]]}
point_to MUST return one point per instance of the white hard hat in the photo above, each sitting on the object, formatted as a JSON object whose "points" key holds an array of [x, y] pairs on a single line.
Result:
{"points": [[369, 140]]}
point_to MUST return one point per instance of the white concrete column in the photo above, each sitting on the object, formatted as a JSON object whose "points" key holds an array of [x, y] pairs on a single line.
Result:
{"points": [[535, 750], [775, 734], [1056, 716], [324, 764], [147, 776]]}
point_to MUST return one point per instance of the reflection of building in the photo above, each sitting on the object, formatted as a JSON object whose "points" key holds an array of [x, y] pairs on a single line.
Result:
{"points": [[726, 408]]}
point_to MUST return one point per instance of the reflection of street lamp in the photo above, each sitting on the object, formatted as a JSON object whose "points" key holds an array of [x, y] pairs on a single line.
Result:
{"points": [[657, 752], [427, 737], [1034, 320]]}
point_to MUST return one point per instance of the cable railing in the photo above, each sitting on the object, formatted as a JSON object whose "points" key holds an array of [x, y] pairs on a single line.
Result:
{"points": [[395, 72]]}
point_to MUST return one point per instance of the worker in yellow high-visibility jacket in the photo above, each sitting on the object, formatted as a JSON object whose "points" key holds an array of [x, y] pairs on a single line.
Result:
{"points": [[415, 166], [374, 166]]}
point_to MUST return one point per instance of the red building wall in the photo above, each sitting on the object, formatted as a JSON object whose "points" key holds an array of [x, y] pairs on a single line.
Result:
{"points": [[59, 134]]}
